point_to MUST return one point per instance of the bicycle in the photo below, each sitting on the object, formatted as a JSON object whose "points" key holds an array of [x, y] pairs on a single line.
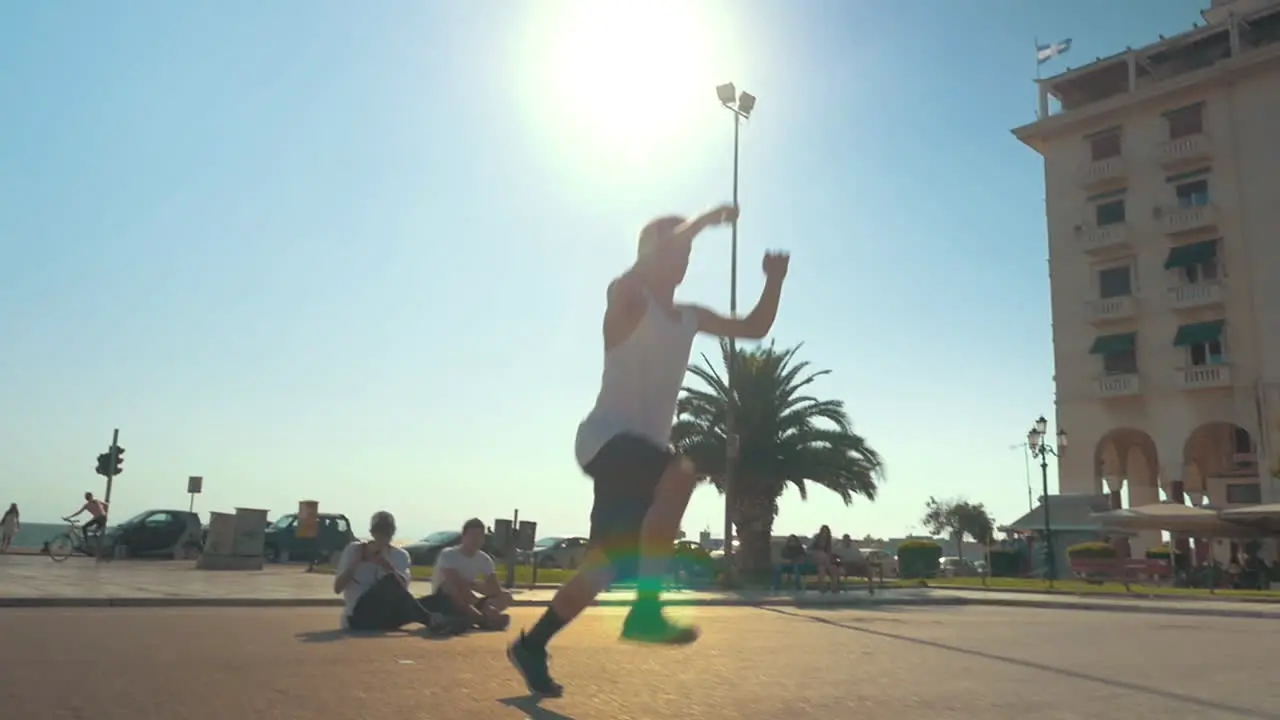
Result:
{"points": [[65, 545]]}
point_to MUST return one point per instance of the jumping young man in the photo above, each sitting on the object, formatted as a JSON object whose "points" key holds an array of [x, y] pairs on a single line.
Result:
{"points": [[641, 486]]}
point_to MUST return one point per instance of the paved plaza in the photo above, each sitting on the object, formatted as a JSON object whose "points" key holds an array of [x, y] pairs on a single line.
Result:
{"points": [[872, 664]]}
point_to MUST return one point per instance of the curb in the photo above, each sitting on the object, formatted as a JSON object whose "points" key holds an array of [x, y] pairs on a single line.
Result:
{"points": [[800, 603]]}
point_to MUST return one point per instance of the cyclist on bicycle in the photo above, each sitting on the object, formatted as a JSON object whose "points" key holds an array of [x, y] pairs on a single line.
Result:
{"points": [[97, 509]]}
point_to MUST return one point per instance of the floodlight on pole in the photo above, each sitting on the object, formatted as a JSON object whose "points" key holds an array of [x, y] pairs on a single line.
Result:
{"points": [[741, 106]]}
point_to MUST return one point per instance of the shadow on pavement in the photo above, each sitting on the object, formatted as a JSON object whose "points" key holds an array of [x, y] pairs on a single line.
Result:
{"points": [[529, 705], [1118, 684], [334, 635]]}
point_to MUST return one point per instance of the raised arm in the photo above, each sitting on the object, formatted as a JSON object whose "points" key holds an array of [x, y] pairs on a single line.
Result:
{"points": [[716, 216], [759, 321]]}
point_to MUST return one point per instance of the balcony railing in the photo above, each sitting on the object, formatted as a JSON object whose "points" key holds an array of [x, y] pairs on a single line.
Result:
{"points": [[1181, 150], [1095, 239], [1176, 219], [1118, 386], [1205, 294], [1094, 172], [1197, 377], [1108, 309]]}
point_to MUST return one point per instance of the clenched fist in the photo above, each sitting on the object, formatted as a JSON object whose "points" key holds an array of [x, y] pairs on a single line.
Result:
{"points": [[775, 264]]}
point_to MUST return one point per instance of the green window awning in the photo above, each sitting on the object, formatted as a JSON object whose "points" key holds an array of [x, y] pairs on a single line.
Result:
{"points": [[1113, 344], [1187, 255], [1197, 333]]}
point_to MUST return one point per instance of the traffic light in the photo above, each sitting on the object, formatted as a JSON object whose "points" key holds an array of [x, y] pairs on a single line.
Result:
{"points": [[117, 460], [104, 465]]}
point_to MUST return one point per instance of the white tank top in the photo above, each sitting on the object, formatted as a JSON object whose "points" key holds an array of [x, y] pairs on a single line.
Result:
{"points": [[641, 382]]}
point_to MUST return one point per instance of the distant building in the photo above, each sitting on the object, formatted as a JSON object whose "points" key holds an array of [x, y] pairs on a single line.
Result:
{"points": [[1161, 166]]}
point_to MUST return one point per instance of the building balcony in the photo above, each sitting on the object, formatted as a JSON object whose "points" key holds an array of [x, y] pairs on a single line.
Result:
{"points": [[1110, 386], [1199, 377], [1172, 154], [1096, 172], [1175, 219], [1187, 297], [1107, 237], [1111, 309]]}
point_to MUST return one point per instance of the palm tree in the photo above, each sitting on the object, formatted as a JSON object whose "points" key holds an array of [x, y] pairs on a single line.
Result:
{"points": [[784, 437]]}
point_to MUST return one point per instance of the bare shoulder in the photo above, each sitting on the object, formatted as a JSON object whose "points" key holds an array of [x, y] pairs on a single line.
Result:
{"points": [[625, 308], [625, 289]]}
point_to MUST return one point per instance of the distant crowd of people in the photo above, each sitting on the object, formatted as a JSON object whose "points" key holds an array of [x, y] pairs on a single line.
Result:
{"points": [[830, 559]]}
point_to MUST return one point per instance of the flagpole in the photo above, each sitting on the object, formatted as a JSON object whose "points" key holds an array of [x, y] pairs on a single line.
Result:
{"points": [[1036, 40]]}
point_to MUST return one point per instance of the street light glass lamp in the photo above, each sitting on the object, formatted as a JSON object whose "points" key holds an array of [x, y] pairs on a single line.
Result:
{"points": [[1042, 425], [727, 94], [1062, 439], [746, 103], [1033, 438]]}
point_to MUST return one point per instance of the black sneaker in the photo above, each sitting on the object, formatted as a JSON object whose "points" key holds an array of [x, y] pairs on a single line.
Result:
{"points": [[531, 663], [653, 628]]}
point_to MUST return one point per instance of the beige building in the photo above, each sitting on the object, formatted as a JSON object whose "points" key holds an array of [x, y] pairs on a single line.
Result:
{"points": [[1162, 177]]}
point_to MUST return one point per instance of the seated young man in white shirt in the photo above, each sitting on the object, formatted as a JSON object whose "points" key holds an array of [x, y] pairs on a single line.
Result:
{"points": [[373, 578], [466, 583]]}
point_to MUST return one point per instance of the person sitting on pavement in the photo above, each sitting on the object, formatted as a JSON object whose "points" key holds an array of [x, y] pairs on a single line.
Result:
{"points": [[466, 585], [97, 510], [373, 579]]}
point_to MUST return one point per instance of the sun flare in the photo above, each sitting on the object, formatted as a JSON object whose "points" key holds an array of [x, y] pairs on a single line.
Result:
{"points": [[628, 72]]}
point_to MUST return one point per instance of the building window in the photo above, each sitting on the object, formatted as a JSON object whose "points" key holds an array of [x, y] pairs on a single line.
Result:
{"points": [[1206, 353], [1244, 494], [1104, 146], [1109, 213], [1124, 362], [1115, 282], [1241, 440], [1186, 121], [1193, 194], [1201, 272]]}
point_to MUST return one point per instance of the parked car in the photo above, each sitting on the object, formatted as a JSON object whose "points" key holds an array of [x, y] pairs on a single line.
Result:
{"points": [[693, 561], [565, 553], [282, 543], [157, 533], [956, 567], [885, 561], [426, 550]]}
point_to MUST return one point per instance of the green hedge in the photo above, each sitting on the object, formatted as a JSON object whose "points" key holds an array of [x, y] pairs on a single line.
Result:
{"points": [[1005, 562], [1091, 551], [919, 559], [1159, 552]]}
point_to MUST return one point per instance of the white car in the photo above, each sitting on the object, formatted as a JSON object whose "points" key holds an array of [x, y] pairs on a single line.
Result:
{"points": [[565, 553]]}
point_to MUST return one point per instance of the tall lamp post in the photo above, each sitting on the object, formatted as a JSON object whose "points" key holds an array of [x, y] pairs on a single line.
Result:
{"points": [[1040, 449], [740, 106]]}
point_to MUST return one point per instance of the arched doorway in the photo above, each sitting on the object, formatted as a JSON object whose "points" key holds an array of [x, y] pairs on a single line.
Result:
{"points": [[1218, 450], [1127, 461]]}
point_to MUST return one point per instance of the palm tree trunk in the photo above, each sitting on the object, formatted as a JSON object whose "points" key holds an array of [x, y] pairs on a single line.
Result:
{"points": [[753, 518]]}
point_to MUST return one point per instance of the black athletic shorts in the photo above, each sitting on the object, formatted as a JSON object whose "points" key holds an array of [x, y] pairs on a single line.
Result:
{"points": [[626, 472]]}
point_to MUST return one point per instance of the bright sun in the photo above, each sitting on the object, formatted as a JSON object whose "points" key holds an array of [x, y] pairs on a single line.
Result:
{"points": [[630, 72]]}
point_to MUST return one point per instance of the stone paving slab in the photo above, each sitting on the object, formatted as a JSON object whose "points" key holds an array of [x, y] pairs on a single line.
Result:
{"points": [[882, 664]]}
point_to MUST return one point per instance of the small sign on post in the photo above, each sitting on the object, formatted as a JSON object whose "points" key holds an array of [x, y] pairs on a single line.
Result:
{"points": [[195, 485], [308, 519]]}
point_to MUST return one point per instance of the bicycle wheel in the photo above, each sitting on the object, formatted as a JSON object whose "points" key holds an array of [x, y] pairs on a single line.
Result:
{"points": [[61, 547]]}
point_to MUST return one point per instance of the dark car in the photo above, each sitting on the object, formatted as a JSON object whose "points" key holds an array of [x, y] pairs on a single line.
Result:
{"points": [[157, 533], [426, 550], [282, 543]]}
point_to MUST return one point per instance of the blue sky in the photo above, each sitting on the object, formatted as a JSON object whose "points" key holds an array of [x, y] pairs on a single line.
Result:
{"points": [[357, 252]]}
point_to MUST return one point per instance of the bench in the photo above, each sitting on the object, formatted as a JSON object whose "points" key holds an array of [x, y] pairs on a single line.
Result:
{"points": [[1126, 571]]}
